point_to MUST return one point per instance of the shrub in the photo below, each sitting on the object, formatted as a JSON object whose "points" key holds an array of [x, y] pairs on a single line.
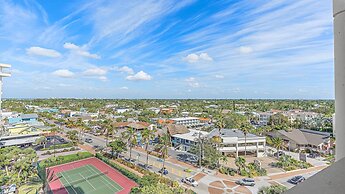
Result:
{"points": [[124, 171], [288, 163], [274, 189], [227, 170], [53, 161]]}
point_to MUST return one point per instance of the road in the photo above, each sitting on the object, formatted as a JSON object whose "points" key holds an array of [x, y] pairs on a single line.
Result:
{"points": [[176, 171]]}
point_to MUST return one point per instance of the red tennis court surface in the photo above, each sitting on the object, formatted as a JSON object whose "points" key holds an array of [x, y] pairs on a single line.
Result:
{"points": [[56, 186]]}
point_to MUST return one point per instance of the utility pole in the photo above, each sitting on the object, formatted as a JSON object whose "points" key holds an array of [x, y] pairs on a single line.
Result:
{"points": [[200, 149]]}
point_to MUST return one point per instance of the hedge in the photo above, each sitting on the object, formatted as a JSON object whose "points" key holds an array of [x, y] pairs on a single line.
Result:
{"points": [[58, 146], [135, 177], [53, 161], [124, 171]]}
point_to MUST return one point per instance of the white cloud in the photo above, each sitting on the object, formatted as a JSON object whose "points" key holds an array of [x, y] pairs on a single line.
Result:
{"points": [[192, 82], [80, 51], [140, 76], [192, 58], [65, 73], [124, 88], [95, 72], [205, 56], [219, 76], [42, 52], [71, 46], [246, 49], [64, 85], [202, 57], [124, 69], [103, 78]]}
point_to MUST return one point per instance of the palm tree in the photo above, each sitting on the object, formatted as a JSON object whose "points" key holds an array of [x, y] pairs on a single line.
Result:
{"points": [[41, 140], [164, 143], [54, 131], [132, 139], [48, 177], [217, 140], [240, 162], [147, 135], [220, 123], [245, 129], [278, 143]]}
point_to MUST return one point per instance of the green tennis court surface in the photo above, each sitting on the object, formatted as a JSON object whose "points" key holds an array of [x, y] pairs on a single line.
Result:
{"points": [[88, 179]]}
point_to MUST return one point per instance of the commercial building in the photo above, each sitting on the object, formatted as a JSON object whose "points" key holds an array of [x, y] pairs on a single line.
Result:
{"points": [[303, 139], [23, 118], [234, 142]]}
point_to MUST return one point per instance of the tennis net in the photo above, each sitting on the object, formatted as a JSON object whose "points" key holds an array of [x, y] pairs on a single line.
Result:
{"points": [[84, 179]]}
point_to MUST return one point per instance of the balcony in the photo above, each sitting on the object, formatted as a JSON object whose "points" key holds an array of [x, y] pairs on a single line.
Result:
{"points": [[5, 74]]}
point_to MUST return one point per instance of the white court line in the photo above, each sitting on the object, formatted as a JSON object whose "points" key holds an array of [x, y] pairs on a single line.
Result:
{"points": [[117, 189], [68, 184], [87, 181]]}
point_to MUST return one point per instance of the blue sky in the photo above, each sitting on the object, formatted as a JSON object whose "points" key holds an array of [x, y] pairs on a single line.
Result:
{"points": [[167, 49]]}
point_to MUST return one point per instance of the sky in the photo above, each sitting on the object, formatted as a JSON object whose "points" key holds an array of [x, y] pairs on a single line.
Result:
{"points": [[167, 49]]}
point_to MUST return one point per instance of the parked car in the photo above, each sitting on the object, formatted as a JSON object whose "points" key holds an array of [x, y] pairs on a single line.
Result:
{"points": [[145, 166], [88, 140], [296, 179], [190, 181], [163, 171], [189, 158], [246, 182], [313, 155], [130, 160]]}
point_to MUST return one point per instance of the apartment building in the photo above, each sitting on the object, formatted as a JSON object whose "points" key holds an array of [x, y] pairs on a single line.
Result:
{"points": [[187, 121]]}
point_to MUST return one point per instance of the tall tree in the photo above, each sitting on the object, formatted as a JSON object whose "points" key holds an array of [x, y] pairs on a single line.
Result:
{"points": [[217, 140], [277, 143], [164, 143], [117, 146], [245, 127], [147, 135], [132, 139]]}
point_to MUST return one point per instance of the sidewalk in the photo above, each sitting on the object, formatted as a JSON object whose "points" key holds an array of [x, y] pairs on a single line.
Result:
{"points": [[295, 172]]}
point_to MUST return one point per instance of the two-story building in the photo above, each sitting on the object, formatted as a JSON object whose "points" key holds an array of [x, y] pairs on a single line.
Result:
{"points": [[234, 141]]}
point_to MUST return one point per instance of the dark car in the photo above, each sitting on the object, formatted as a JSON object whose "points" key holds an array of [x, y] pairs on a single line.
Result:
{"points": [[88, 140], [296, 180], [163, 171], [279, 154], [246, 182], [313, 155], [145, 166]]}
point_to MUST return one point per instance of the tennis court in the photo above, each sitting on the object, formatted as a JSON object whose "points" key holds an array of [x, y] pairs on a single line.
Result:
{"points": [[88, 179], [88, 176]]}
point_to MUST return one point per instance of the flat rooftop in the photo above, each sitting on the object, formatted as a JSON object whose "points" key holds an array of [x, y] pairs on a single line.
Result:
{"points": [[191, 135], [184, 118], [230, 133]]}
